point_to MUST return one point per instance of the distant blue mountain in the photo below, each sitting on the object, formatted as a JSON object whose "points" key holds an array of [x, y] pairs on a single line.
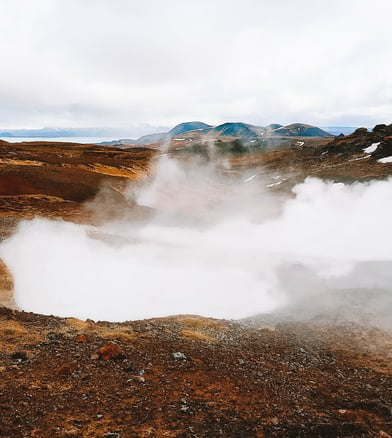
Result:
{"points": [[44, 132], [177, 130], [237, 129], [188, 126], [65, 132], [301, 130]]}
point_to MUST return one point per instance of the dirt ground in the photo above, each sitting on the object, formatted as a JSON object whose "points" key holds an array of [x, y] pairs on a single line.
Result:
{"points": [[188, 376]]}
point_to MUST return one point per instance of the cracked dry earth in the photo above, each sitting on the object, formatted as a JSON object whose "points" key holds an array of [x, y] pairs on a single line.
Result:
{"points": [[189, 376]]}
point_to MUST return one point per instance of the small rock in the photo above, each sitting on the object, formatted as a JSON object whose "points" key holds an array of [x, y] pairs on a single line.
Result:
{"points": [[111, 351], [19, 356], [67, 369], [139, 379], [81, 338], [179, 356], [94, 356]]}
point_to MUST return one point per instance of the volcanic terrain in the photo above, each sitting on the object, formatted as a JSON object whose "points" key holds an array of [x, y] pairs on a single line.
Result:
{"points": [[184, 376]]}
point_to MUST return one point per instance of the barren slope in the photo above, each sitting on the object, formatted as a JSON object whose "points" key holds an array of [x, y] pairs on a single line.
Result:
{"points": [[191, 376]]}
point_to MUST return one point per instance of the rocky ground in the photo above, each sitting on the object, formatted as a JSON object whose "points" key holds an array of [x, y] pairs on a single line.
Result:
{"points": [[344, 159], [191, 377], [183, 376]]}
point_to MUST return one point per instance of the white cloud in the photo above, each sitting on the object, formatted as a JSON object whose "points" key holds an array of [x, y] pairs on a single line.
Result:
{"points": [[128, 62]]}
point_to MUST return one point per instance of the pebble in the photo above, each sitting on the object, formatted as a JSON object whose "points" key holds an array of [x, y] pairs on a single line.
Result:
{"points": [[19, 357], [139, 379], [179, 356]]}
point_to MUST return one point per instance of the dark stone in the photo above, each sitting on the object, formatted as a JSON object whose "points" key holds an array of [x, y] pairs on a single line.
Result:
{"points": [[131, 368], [19, 356], [380, 128]]}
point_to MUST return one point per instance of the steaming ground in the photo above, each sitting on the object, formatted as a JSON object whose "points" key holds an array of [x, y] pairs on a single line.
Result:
{"points": [[215, 246]]}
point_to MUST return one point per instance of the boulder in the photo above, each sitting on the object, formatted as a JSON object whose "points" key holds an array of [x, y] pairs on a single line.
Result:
{"points": [[111, 351]]}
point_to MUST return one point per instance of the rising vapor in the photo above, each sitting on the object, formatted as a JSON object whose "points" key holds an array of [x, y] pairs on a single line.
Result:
{"points": [[219, 247]]}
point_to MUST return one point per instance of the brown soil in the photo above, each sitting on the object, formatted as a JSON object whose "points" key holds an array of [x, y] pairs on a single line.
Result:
{"points": [[54, 179]]}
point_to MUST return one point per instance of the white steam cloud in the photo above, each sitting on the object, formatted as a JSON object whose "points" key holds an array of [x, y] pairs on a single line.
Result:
{"points": [[215, 247]]}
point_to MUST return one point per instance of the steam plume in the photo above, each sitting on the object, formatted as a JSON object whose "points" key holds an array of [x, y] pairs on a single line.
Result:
{"points": [[215, 247]]}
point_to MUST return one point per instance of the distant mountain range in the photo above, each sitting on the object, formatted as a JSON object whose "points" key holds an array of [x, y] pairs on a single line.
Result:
{"points": [[56, 132], [240, 130], [61, 132]]}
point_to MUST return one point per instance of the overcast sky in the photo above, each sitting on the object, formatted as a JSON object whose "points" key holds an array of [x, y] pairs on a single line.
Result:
{"points": [[160, 62]]}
